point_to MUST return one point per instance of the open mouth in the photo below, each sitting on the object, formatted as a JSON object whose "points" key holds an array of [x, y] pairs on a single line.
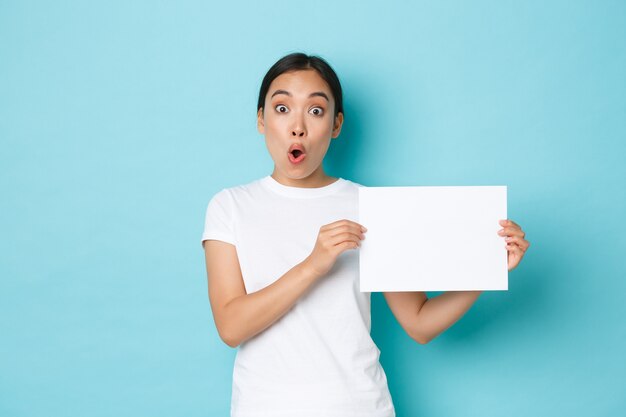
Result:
{"points": [[296, 155]]}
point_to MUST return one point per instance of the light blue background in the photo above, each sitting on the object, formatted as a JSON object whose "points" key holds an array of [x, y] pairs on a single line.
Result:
{"points": [[119, 120]]}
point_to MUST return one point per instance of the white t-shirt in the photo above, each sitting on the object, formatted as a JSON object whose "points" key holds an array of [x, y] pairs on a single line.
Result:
{"points": [[318, 360]]}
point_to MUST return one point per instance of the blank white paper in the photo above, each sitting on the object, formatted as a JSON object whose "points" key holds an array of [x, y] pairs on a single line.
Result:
{"points": [[432, 238]]}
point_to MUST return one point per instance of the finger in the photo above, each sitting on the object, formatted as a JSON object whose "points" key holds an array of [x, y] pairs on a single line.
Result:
{"points": [[512, 248], [346, 245], [349, 228], [508, 222], [344, 237], [343, 222], [522, 243], [511, 231]]}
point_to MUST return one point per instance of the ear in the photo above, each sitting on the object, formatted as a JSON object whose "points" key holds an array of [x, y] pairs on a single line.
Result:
{"points": [[337, 125], [260, 124]]}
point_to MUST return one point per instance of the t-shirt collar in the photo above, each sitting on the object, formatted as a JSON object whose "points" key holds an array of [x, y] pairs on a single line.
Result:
{"points": [[301, 192]]}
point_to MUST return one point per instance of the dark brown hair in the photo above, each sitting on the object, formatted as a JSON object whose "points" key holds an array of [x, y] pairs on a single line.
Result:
{"points": [[300, 61]]}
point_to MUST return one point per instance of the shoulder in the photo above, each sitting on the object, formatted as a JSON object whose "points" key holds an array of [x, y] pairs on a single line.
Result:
{"points": [[226, 202], [221, 198], [353, 184], [239, 189], [229, 195]]}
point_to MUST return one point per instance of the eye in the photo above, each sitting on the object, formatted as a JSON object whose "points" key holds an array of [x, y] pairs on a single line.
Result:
{"points": [[281, 108], [317, 111]]}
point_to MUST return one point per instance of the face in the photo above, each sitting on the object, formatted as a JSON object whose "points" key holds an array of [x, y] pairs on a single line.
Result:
{"points": [[298, 123]]}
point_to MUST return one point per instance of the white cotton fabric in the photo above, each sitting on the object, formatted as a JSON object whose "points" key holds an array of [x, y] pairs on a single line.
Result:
{"points": [[318, 360]]}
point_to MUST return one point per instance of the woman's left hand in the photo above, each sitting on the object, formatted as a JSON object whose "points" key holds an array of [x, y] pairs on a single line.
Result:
{"points": [[516, 245]]}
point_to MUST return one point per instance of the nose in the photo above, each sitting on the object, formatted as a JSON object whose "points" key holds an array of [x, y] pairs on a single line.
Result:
{"points": [[298, 129]]}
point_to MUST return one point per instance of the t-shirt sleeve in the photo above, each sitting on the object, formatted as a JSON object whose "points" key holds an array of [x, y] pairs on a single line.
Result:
{"points": [[218, 220]]}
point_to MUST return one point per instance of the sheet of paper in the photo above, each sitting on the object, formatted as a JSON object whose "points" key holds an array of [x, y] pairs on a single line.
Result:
{"points": [[432, 238]]}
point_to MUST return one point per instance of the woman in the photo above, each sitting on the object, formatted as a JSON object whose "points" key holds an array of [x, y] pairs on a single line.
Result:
{"points": [[282, 266]]}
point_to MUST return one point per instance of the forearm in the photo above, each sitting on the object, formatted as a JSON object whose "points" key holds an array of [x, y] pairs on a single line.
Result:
{"points": [[250, 314], [439, 313]]}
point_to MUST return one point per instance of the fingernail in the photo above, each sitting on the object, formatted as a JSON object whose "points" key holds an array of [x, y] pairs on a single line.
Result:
{"points": [[363, 229]]}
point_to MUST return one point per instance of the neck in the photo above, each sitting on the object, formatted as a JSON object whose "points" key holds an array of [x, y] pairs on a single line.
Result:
{"points": [[316, 180]]}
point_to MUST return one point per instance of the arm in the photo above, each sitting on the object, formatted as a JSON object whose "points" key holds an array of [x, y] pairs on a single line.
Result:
{"points": [[422, 318], [239, 316]]}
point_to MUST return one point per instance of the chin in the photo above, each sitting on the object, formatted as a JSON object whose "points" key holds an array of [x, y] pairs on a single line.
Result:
{"points": [[296, 174], [299, 176]]}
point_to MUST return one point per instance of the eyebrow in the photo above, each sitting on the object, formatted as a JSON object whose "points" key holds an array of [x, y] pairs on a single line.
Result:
{"points": [[314, 94]]}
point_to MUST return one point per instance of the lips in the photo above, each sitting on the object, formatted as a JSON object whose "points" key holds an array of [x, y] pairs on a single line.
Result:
{"points": [[296, 153]]}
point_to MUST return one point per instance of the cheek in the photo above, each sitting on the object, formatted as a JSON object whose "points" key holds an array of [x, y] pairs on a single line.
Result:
{"points": [[273, 125], [272, 143], [328, 125], [323, 128]]}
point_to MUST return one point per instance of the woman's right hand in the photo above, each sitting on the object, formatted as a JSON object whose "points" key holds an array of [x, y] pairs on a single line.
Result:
{"points": [[332, 240]]}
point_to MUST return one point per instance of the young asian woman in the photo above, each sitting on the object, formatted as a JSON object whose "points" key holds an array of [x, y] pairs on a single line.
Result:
{"points": [[282, 266]]}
